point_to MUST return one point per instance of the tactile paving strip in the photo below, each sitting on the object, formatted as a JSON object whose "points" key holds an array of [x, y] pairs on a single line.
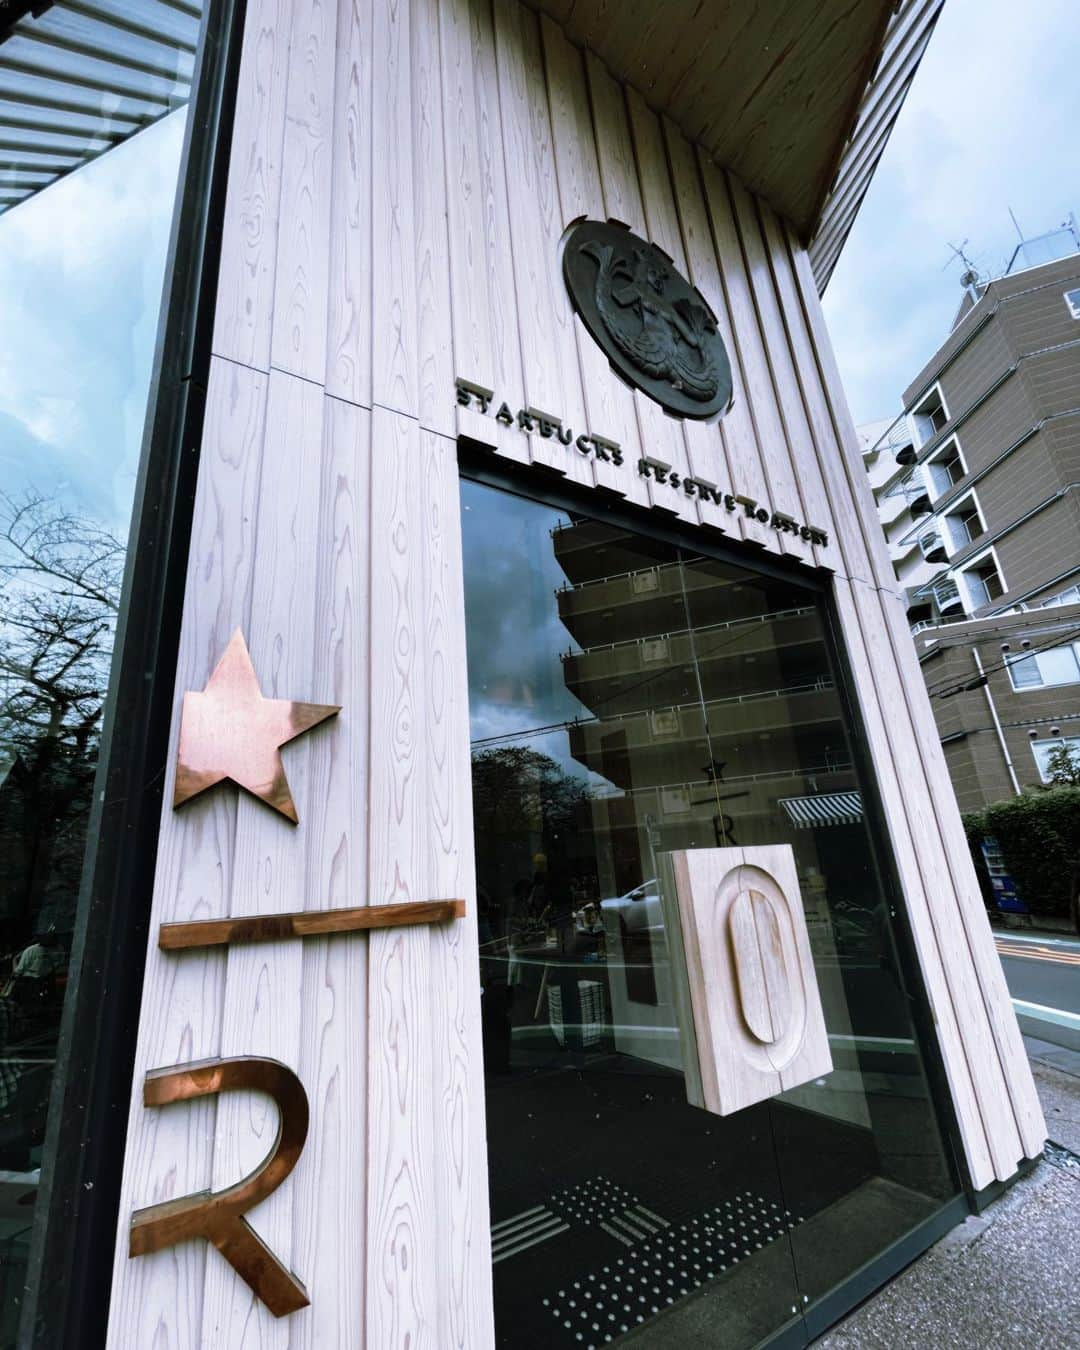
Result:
{"points": [[661, 1268]]}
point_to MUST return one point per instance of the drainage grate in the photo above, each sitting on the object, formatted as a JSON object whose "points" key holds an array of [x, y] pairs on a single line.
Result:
{"points": [[1063, 1157]]}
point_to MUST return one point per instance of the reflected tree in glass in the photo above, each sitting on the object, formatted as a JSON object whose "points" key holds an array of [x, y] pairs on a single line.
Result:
{"points": [[60, 579]]}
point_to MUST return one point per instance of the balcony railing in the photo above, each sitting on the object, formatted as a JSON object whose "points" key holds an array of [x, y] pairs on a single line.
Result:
{"points": [[914, 493], [947, 595], [932, 546]]}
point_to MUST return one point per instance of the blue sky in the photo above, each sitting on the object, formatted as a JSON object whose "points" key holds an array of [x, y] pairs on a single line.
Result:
{"points": [[992, 120], [81, 270]]}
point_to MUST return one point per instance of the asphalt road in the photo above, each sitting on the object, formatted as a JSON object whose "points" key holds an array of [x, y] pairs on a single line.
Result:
{"points": [[1042, 970]]}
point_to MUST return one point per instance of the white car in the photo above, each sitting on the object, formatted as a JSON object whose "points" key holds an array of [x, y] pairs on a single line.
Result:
{"points": [[639, 909]]}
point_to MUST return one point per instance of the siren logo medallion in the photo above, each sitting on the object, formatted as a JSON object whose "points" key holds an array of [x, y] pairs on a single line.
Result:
{"points": [[654, 327]]}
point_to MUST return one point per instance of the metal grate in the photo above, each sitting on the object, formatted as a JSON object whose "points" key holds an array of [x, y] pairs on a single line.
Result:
{"points": [[82, 77]]}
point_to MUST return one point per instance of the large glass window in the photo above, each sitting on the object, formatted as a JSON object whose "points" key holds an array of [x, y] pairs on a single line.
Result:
{"points": [[629, 698], [1055, 665], [91, 125], [1048, 753]]}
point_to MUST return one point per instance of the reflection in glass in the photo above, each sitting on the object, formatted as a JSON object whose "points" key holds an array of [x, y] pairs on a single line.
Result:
{"points": [[86, 201], [628, 698]]}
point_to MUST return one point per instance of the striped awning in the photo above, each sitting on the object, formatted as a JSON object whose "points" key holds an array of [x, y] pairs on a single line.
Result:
{"points": [[823, 808]]}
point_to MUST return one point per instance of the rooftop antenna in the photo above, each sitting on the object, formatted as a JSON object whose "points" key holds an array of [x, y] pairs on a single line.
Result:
{"points": [[1012, 217], [969, 277]]}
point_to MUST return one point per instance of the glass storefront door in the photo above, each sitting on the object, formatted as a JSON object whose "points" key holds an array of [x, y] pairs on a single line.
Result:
{"points": [[628, 698]]}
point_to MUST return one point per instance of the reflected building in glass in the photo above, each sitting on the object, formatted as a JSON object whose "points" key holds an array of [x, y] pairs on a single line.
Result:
{"points": [[695, 707]]}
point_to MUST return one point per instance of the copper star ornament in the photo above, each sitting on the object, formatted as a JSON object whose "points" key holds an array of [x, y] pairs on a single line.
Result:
{"points": [[230, 731]]}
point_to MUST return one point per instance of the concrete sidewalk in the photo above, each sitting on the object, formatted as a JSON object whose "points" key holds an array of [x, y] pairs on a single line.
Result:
{"points": [[1008, 1279]]}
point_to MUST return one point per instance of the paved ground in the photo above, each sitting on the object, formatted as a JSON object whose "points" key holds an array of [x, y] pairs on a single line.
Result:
{"points": [[1008, 1279]]}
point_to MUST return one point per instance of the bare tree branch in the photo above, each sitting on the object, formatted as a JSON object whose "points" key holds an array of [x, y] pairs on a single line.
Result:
{"points": [[60, 577]]}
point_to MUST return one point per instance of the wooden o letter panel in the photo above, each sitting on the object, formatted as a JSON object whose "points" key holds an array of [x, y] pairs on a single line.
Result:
{"points": [[747, 1000]]}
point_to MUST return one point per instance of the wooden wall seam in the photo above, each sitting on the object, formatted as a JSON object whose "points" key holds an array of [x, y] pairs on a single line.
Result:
{"points": [[169, 1152]]}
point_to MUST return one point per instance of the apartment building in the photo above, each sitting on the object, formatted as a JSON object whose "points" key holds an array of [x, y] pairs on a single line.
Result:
{"points": [[977, 486]]}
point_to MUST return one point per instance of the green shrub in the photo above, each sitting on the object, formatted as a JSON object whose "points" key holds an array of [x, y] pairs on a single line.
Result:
{"points": [[973, 828], [1039, 838]]}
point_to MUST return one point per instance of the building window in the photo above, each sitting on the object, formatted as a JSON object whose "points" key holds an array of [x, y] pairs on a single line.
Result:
{"points": [[946, 467], [1072, 299], [929, 416], [1042, 750], [1036, 670], [1069, 597], [963, 524], [985, 583]]}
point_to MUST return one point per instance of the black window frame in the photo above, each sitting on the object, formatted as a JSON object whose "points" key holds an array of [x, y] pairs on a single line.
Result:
{"points": [[70, 1264], [479, 463]]}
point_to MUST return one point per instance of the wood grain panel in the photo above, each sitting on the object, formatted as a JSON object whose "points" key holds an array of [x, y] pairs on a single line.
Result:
{"points": [[991, 1088], [847, 460], [908, 34], [395, 379], [349, 304], [469, 273], [739, 272], [749, 1009], [702, 442], [661, 436], [609, 403], [462, 1255], [330, 1194], [260, 1010], [159, 1298], [741, 432], [434, 328], [401, 1273], [918, 881], [249, 240], [552, 379], [851, 558], [793, 451], [767, 89], [972, 911], [735, 428], [502, 315], [301, 290]]}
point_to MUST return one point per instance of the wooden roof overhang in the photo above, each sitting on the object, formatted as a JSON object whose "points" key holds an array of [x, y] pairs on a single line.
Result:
{"points": [[797, 97]]}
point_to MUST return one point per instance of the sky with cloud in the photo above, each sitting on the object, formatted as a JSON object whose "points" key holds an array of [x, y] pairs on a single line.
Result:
{"points": [[992, 121], [81, 267]]}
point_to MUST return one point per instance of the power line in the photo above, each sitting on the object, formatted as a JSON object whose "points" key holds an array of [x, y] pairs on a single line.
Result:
{"points": [[947, 688]]}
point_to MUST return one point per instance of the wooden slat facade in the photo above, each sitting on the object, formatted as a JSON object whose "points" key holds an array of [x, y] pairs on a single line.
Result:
{"points": [[402, 174], [906, 39]]}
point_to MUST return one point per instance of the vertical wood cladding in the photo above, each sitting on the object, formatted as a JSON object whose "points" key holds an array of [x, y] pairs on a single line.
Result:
{"points": [[401, 177]]}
